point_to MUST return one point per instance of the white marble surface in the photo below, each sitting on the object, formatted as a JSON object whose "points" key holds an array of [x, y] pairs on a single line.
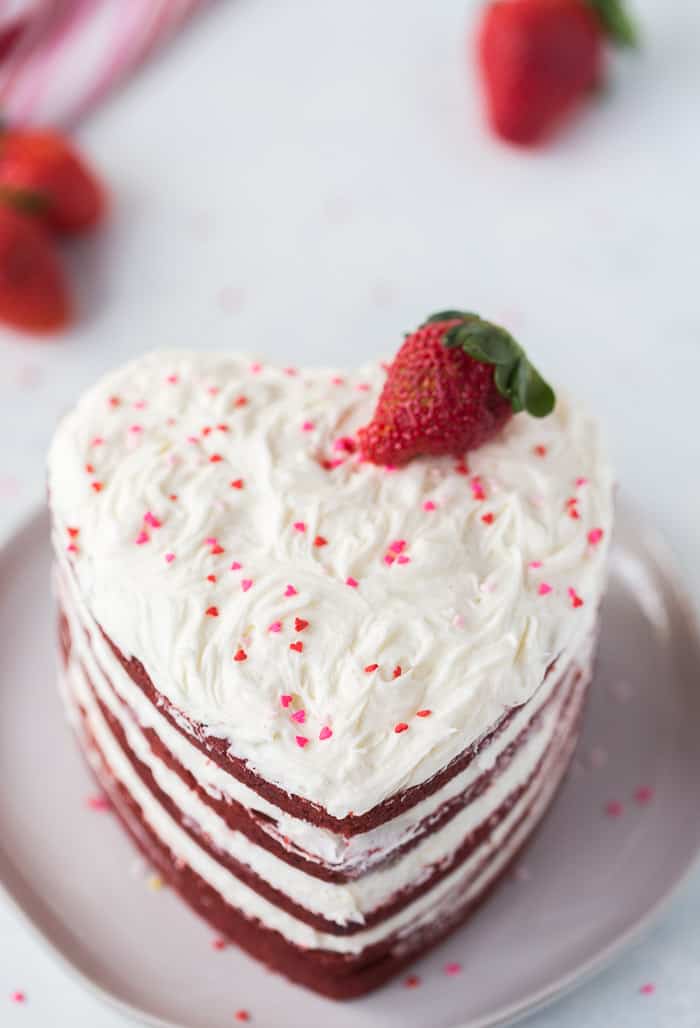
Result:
{"points": [[308, 181]]}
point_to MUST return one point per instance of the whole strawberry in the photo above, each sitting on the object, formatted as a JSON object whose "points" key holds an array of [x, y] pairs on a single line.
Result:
{"points": [[33, 292], [541, 58], [453, 385], [69, 197]]}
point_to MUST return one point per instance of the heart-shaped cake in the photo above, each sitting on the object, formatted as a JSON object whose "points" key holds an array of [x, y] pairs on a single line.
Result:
{"points": [[329, 699]]}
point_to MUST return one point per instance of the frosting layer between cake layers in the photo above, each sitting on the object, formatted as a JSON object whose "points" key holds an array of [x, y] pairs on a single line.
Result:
{"points": [[381, 906]]}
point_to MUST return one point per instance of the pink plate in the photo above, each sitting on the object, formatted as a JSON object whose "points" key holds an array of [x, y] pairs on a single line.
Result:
{"points": [[597, 872]]}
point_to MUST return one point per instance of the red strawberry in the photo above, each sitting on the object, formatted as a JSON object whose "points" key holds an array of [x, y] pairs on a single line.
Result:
{"points": [[33, 292], [453, 384], [540, 59], [45, 164]]}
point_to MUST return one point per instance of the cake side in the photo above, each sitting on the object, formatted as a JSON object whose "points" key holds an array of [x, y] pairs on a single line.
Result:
{"points": [[381, 906], [461, 585]]}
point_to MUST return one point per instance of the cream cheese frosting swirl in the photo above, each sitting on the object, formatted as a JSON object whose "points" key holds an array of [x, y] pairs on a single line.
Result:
{"points": [[348, 629]]}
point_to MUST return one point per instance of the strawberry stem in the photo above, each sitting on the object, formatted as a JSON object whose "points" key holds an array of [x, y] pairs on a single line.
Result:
{"points": [[515, 377], [616, 22]]}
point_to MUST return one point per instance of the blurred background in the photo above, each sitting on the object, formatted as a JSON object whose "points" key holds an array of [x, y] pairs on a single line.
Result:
{"points": [[308, 181]]}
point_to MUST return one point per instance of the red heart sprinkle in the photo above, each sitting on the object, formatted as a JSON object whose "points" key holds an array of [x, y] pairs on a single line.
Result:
{"points": [[371, 667], [296, 646], [212, 612], [240, 655], [300, 624], [320, 541], [401, 727], [237, 483]]}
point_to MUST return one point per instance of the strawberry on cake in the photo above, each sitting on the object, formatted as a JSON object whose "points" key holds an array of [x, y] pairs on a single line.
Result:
{"points": [[326, 637]]}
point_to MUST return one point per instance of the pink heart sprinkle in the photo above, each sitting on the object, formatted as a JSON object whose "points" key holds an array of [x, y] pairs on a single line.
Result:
{"points": [[534, 564], [398, 546], [325, 733], [169, 558], [389, 558], [136, 429], [285, 699], [276, 626], [246, 584], [614, 808], [18, 997], [99, 802], [142, 537], [256, 368], [581, 481], [140, 404], [648, 989], [429, 505], [595, 535], [308, 426], [544, 588], [403, 560], [477, 488], [299, 716], [453, 968], [290, 591], [152, 520], [301, 741], [345, 444], [211, 541], [236, 566], [644, 795], [172, 379], [352, 582], [300, 526]]}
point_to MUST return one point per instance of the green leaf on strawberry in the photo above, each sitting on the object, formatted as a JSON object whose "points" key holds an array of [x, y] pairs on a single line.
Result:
{"points": [[616, 22], [515, 377]]}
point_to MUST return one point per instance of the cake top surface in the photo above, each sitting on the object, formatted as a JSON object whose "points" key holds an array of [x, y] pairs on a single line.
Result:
{"points": [[349, 629]]}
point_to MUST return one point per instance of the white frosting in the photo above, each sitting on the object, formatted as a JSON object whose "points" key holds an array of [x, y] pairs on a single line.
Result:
{"points": [[426, 909], [463, 618], [356, 854], [347, 903]]}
